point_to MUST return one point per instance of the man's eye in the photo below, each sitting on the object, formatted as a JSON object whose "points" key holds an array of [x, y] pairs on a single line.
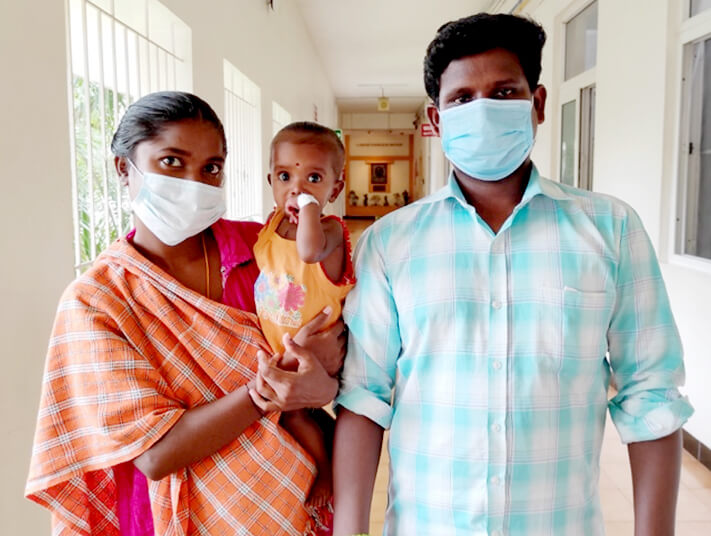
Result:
{"points": [[283, 176], [314, 177], [171, 161], [503, 92]]}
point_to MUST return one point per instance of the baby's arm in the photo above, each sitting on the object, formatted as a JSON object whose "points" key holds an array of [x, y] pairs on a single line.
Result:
{"points": [[316, 240]]}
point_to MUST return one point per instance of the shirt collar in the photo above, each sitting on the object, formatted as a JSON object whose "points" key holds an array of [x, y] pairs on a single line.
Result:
{"points": [[537, 185]]}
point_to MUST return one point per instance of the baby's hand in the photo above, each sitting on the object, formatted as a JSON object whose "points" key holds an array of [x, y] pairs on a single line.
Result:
{"points": [[292, 211]]}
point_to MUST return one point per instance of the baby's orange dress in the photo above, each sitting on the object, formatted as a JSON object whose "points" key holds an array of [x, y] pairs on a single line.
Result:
{"points": [[289, 292]]}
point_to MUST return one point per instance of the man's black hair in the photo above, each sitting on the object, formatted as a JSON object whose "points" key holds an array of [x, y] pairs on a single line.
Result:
{"points": [[481, 32]]}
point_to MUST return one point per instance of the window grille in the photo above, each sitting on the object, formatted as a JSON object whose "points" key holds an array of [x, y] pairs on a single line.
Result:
{"points": [[119, 50], [243, 186]]}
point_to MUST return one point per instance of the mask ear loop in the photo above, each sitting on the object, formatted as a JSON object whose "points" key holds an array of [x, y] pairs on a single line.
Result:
{"points": [[140, 174], [134, 166]]}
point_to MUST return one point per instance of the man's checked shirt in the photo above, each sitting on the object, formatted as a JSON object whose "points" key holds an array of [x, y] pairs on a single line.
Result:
{"points": [[488, 356]]}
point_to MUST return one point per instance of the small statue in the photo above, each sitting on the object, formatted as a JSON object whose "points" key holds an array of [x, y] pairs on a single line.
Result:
{"points": [[398, 200], [375, 200], [352, 198], [365, 200], [406, 197], [386, 203]]}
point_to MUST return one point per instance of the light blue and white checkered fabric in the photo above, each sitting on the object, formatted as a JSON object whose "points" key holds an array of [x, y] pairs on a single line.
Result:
{"points": [[485, 355]]}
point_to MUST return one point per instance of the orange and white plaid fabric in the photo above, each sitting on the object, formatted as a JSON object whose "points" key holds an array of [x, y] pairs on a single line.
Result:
{"points": [[131, 350]]}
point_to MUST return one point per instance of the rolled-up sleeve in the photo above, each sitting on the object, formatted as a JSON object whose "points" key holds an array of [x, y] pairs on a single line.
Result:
{"points": [[374, 337], [644, 345]]}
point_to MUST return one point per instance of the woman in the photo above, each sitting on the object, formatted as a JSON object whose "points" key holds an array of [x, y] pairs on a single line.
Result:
{"points": [[156, 365]]}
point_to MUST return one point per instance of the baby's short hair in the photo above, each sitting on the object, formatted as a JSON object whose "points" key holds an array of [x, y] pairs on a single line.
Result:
{"points": [[308, 132]]}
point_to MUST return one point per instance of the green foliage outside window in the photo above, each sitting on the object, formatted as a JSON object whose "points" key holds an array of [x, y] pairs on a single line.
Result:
{"points": [[110, 216]]}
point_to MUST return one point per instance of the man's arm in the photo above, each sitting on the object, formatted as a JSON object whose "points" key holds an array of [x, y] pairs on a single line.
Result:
{"points": [[367, 381], [655, 478], [647, 366], [356, 452]]}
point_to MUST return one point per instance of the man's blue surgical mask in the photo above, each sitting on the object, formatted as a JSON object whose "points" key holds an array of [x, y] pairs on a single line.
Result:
{"points": [[488, 139]]}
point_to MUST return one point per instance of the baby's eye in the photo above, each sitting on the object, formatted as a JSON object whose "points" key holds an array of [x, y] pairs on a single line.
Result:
{"points": [[283, 176], [213, 169], [171, 161], [314, 177]]}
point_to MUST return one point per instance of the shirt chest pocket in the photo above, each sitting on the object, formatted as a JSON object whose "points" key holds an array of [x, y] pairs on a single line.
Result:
{"points": [[571, 330], [586, 318]]}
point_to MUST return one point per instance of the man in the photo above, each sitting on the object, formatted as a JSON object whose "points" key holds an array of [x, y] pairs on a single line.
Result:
{"points": [[488, 319]]}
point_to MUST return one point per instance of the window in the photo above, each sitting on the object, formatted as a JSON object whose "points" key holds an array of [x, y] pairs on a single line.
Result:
{"points": [[280, 118], [119, 51], [697, 6], [581, 42], [577, 93], [567, 144], [694, 232], [243, 186]]}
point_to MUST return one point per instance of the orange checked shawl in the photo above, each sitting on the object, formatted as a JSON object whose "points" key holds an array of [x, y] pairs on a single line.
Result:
{"points": [[131, 350]]}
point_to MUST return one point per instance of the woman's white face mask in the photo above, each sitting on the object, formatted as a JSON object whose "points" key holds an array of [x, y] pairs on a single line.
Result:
{"points": [[176, 209]]}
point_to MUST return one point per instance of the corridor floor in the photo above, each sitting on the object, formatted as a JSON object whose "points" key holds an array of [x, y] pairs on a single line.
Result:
{"points": [[693, 509]]}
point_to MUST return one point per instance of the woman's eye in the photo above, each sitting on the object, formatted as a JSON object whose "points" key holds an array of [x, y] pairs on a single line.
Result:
{"points": [[314, 177], [462, 99], [171, 161], [283, 176], [213, 169]]}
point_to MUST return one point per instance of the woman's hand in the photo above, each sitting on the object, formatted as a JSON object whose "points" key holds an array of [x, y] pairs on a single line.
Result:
{"points": [[310, 386], [329, 345]]}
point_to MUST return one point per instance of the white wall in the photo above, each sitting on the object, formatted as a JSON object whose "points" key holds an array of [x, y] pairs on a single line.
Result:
{"points": [[637, 77], [272, 48], [36, 238]]}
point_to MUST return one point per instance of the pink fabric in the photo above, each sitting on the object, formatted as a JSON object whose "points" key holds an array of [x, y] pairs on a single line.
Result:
{"points": [[133, 502], [235, 240]]}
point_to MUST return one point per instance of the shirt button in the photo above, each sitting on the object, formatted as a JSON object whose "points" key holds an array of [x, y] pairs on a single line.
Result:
{"points": [[496, 304], [496, 428], [497, 365], [495, 480]]}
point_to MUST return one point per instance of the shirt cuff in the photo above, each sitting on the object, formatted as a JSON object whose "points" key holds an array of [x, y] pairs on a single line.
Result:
{"points": [[649, 415], [363, 402]]}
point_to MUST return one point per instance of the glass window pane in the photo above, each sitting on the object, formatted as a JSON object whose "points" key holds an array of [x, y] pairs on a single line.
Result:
{"points": [[581, 42], [698, 187], [567, 144], [697, 6]]}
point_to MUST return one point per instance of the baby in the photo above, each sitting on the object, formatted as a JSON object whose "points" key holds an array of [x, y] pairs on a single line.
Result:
{"points": [[304, 260]]}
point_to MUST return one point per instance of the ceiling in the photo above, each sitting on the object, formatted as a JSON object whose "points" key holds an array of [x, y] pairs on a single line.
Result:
{"points": [[374, 47]]}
